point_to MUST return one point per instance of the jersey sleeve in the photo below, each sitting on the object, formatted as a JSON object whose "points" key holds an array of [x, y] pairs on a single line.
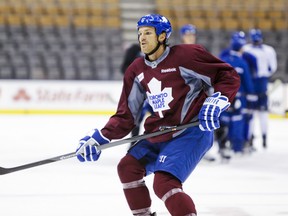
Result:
{"points": [[129, 108], [223, 76]]}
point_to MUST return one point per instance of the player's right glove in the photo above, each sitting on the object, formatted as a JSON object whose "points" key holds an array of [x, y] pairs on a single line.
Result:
{"points": [[87, 149], [211, 110]]}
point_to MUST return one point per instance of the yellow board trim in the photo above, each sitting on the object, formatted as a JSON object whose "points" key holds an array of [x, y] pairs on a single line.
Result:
{"points": [[273, 116], [57, 112]]}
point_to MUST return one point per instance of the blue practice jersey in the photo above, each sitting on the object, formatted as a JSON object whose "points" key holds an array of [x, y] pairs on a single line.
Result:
{"points": [[241, 66], [262, 61]]}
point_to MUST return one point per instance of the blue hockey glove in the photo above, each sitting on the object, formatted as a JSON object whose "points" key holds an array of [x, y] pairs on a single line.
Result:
{"points": [[87, 149], [211, 110]]}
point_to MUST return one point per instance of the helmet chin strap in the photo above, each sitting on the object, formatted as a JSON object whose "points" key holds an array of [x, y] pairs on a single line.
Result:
{"points": [[155, 49]]}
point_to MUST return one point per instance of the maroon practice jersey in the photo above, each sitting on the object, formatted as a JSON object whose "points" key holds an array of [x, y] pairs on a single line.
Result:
{"points": [[175, 86]]}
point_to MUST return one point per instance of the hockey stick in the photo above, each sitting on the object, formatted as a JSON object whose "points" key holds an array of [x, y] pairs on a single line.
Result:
{"points": [[162, 130]]}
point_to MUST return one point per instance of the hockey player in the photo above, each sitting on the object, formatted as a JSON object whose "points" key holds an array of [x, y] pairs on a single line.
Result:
{"points": [[188, 34], [263, 65], [235, 121], [132, 52], [174, 80]]}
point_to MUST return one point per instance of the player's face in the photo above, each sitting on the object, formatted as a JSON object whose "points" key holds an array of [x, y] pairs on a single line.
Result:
{"points": [[189, 38], [147, 39]]}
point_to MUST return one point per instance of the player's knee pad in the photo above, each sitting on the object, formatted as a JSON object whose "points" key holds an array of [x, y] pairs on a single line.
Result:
{"points": [[129, 169], [166, 185]]}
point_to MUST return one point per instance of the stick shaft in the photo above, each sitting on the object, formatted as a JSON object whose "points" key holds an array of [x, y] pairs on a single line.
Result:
{"points": [[146, 136], [4, 171]]}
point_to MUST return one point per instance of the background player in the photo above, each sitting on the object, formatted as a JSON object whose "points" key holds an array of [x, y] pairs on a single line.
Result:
{"points": [[188, 34], [235, 121], [263, 65]]}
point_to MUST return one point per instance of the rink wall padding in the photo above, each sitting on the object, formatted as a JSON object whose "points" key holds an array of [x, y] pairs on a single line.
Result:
{"points": [[59, 97], [278, 99], [90, 97]]}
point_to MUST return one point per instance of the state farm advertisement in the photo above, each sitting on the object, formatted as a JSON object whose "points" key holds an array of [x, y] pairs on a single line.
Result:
{"points": [[95, 97]]}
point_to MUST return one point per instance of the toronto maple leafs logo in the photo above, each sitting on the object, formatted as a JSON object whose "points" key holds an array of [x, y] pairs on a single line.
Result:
{"points": [[158, 99]]}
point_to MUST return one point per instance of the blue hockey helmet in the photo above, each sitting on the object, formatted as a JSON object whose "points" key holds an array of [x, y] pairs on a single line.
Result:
{"points": [[159, 22], [238, 40], [256, 35], [188, 28]]}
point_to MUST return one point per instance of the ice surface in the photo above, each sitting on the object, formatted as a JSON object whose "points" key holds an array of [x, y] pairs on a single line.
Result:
{"points": [[250, 185]]}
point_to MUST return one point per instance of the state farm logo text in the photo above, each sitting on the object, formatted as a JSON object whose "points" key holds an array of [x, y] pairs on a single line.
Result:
{"points": [[61, 95]]}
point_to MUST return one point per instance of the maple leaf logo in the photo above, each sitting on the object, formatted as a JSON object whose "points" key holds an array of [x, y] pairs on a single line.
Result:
{"points": [[158, 99]]}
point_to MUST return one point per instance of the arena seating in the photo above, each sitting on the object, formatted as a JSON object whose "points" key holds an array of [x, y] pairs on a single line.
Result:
{"points": [[60, 39], [72, 39], [216, 19]]}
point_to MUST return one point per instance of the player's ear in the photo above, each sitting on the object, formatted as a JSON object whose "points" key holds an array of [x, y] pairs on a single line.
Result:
{"points": [[162, 37]]}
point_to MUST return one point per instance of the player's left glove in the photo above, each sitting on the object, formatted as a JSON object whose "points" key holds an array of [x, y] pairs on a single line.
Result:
{"points": [[211, 110], [87, 149]]}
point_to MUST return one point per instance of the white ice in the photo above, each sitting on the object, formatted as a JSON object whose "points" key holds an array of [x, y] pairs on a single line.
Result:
{"points": [[250, 185]]}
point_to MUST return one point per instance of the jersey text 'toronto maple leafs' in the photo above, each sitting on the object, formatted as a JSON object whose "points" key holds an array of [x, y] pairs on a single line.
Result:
{"points": [[158, 99]]}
